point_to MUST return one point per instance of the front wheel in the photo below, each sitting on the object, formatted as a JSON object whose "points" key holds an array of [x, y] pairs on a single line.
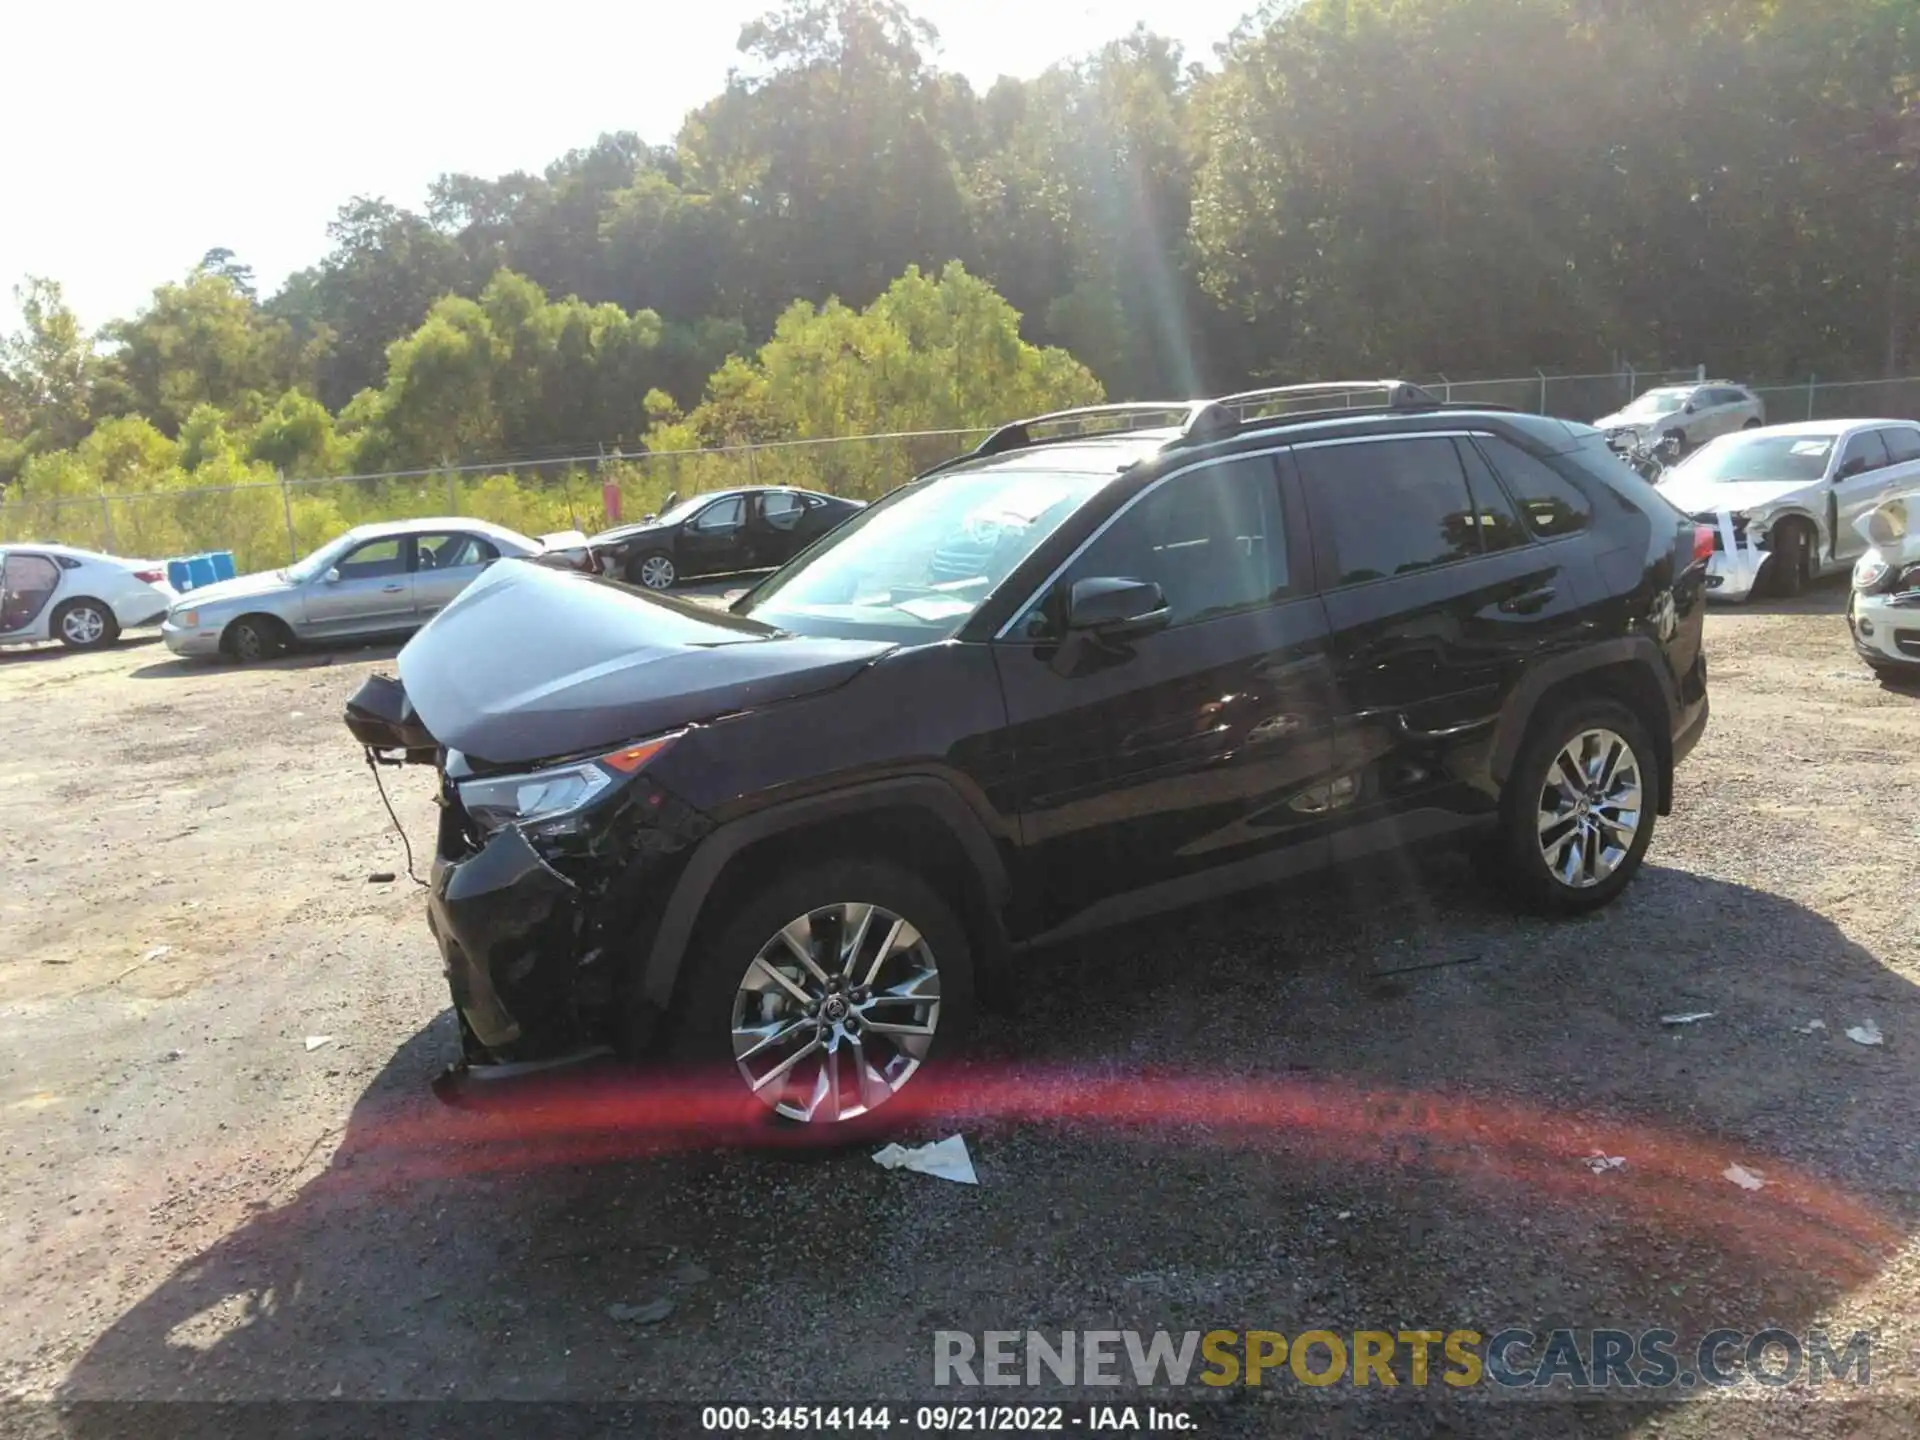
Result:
{"points": [[1579, 808], [829, 995], [1792, 565], [85, 625], [253, 638], [653, 571]]}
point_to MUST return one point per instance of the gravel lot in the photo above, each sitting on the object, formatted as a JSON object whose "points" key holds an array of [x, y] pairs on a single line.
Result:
{"points": [[1227, 1119]]}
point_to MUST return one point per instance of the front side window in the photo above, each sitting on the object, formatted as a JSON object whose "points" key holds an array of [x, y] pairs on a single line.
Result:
{"points": [[1658, 402], [1903, 444], [728, 514], [1391, 507], [1865, 452], [915, 566], [1211, 539], [375, 559]]}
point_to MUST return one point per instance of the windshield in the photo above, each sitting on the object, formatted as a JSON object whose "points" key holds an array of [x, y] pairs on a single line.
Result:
{"points": [[1657, 402], [302, 571], [1801, 458], [917, 565]]}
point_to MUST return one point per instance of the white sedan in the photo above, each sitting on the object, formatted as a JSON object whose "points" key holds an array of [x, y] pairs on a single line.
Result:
{"points": [[81, 598], [1786, 502]]}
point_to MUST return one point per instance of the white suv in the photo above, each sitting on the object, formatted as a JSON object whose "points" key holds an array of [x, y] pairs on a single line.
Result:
{"points": [[1696, 413]]}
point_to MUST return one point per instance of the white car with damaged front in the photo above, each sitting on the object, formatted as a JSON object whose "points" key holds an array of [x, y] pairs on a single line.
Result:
{"points": [[1786, 501]]}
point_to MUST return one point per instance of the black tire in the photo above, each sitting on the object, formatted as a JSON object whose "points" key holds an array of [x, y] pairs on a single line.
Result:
{"points": [[700, 1035], [1752, 425], [655, 563], [253, 638], [1522, 843], [1791, 567], [1683, 446], [85, 624]]}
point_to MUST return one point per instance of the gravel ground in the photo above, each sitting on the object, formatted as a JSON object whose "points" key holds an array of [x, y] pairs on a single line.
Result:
{"points": [[1230, 1119]]}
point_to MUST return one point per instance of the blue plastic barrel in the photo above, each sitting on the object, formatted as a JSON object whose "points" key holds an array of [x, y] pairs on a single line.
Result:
{"points": [[178, 576], [200, 570], [223, 568]]}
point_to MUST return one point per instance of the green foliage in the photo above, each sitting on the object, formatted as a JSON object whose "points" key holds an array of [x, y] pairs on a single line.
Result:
{"points": [[1359, 186]]}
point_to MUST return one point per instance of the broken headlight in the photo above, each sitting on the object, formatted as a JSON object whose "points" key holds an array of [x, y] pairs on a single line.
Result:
{"points": [[552, 801]]}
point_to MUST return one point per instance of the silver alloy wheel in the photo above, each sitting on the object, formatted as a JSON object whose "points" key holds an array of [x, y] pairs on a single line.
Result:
{"points": [[83, 625], [656, 572], [1590, 808], [836, 1012]]}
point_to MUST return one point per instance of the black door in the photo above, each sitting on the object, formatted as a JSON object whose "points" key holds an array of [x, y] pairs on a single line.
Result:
{"points": [[778, 520], [1180, 751], [716, 539], [1439, 596]]}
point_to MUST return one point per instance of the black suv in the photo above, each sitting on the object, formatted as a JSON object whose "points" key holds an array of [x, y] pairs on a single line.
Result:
{"points": [[1075, 676]]}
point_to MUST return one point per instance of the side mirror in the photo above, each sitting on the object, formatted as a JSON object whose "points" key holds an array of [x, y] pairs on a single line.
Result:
{"points": [[1112, 608], [332, 577], [1690, 408]]}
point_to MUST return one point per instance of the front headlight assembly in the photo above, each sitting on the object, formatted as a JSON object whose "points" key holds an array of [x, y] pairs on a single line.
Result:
{"points": [[554, 801]]}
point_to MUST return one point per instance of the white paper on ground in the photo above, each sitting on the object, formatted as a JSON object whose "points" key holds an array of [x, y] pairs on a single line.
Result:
{"points": [[943, 1159], [1743, 1177], [1867, 1034], [1600, 1162], [314, 1042], [1692, 1017]]}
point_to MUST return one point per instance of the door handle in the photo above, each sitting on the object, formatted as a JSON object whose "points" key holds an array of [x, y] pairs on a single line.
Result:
{"points": [[1529, 601], [391, 589]]}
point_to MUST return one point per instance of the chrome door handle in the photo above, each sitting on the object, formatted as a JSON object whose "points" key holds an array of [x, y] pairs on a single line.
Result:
{"points": [[1528, 603], [391, 589]]}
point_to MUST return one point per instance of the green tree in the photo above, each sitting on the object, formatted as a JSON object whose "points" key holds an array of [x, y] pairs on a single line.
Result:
{"points": [[203, 342], [48, 371]]}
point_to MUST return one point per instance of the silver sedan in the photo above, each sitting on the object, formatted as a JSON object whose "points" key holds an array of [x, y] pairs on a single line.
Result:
{"points": [[382, 579]]}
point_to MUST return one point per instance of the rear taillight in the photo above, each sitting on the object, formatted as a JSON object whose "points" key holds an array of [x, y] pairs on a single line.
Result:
{"points": [[149, 577], [1703, 536]]}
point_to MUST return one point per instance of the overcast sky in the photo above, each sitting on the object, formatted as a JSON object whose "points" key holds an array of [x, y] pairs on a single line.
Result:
{"points": [[140, 135]]}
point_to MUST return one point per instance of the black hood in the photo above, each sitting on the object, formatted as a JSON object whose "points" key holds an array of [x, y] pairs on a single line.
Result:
{"points": [[531, 662]]}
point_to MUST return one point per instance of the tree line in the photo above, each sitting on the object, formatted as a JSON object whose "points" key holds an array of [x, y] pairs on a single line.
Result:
{"points": [[1350, 187]]}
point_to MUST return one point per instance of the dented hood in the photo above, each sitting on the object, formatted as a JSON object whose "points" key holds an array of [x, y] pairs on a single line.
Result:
{"points": [[529, 663]]}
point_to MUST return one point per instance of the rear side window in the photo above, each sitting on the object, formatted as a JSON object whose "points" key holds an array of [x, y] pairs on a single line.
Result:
{"points": [[1550, 502], [1390, 507], [1865, 452], [1903, 444], [1493, 513]]}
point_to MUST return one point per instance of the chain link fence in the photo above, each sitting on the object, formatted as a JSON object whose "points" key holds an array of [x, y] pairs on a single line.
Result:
{"points": [[270, 523]]}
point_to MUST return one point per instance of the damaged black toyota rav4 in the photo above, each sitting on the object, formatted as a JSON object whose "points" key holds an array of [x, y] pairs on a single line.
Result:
{"points": [[1078, 675]]}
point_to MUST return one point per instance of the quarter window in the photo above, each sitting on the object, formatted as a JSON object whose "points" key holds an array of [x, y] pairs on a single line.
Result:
{"points": [[1551, 503], [1212, 540], [1391, 507]]}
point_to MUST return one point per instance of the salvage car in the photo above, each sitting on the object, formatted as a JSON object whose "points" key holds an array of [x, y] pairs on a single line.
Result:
{"points": [[787, 844], [1883, 611], [1785, 502], [81, 598], [376, 580], [1686, 415], [718, 533]]}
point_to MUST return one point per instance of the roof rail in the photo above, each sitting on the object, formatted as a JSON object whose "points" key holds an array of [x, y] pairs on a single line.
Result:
{"points": [[1393, 393], [1019, 434]]}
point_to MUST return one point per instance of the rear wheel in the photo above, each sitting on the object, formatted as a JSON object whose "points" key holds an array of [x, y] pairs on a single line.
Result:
{"points": [[1751, 425], [829, 994], [1791, 567], [85, 625], [1579, 807], [653, 571], [252, 638]]}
